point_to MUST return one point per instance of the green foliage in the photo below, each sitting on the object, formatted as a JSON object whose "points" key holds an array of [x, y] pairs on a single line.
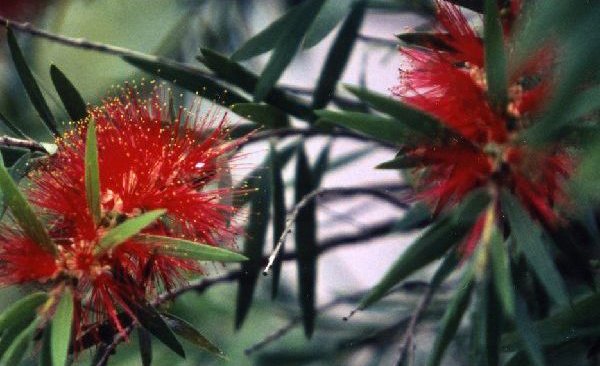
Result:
{"points": [[30, 84], [188, 249], [62, 324], [22, 212], [306, 242], [127, 229], [92, 173], [433, 244], [495, 59], [68, 94]]}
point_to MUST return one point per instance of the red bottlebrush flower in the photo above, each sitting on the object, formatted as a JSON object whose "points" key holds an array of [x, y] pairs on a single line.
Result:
{"points": [[147, 160], [450, 84]]}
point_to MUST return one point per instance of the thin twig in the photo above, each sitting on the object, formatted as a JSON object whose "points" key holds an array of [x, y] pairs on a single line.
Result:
{"points": [[310, 132], [408, 336], [350, 191], [7, 141], [83, 43]]}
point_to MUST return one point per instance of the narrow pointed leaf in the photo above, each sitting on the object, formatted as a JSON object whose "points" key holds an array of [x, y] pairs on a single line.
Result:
{"points": [[22, 211], [565, 325], [306, 243], [321, 165], [529, 238], [60, 333], [380, 128], [153, 322], [92, 172], [236, 74], [286, 47], [263, 114], [400, 162], [191, 334], [332, 13], [145, 346], [68, 94], [503, 282], [11, 126], [19, 346], [127, 229], [338, 56], [528, 337], [255, 178], [23, 308], [417, 217], [45, 358], [279, 213], [176, 247], [495, 58], [11, 334], [406, 116], [188, 78], [253, 250], [452, 318], [31, 86], [430, 246], [350, 157], [429, 40], [266, 39]]}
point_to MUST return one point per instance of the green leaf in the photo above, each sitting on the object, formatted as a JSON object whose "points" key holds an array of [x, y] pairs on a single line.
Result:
{"points": [[430, 246], [321, 165], [127, 229], [587, 102], [145, 346], [263, 114], [569, 323], [452, 318], [255, 178], [502, 278], [495, 58], [380, 128], [332, 12], [425, 39], [60, 333], [11, 333], [279, 212], [18, 348], [45, 358], [238, 75], [176, 247], [31, 86], [189, 78], [400, 162], [12, 127], [24, 308], [253, 249], [417, 217], [528, 337], [92, 173], [406, 116], [68, 94], [286, 47], [265, 40], [191, 334], [528, 236], [306, 243], [153, 322], [338, 56], [22, 211]]}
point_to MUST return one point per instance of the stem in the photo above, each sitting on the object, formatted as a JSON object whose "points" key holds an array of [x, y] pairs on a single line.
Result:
{"points": [[291, 218], [7, 141]]}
